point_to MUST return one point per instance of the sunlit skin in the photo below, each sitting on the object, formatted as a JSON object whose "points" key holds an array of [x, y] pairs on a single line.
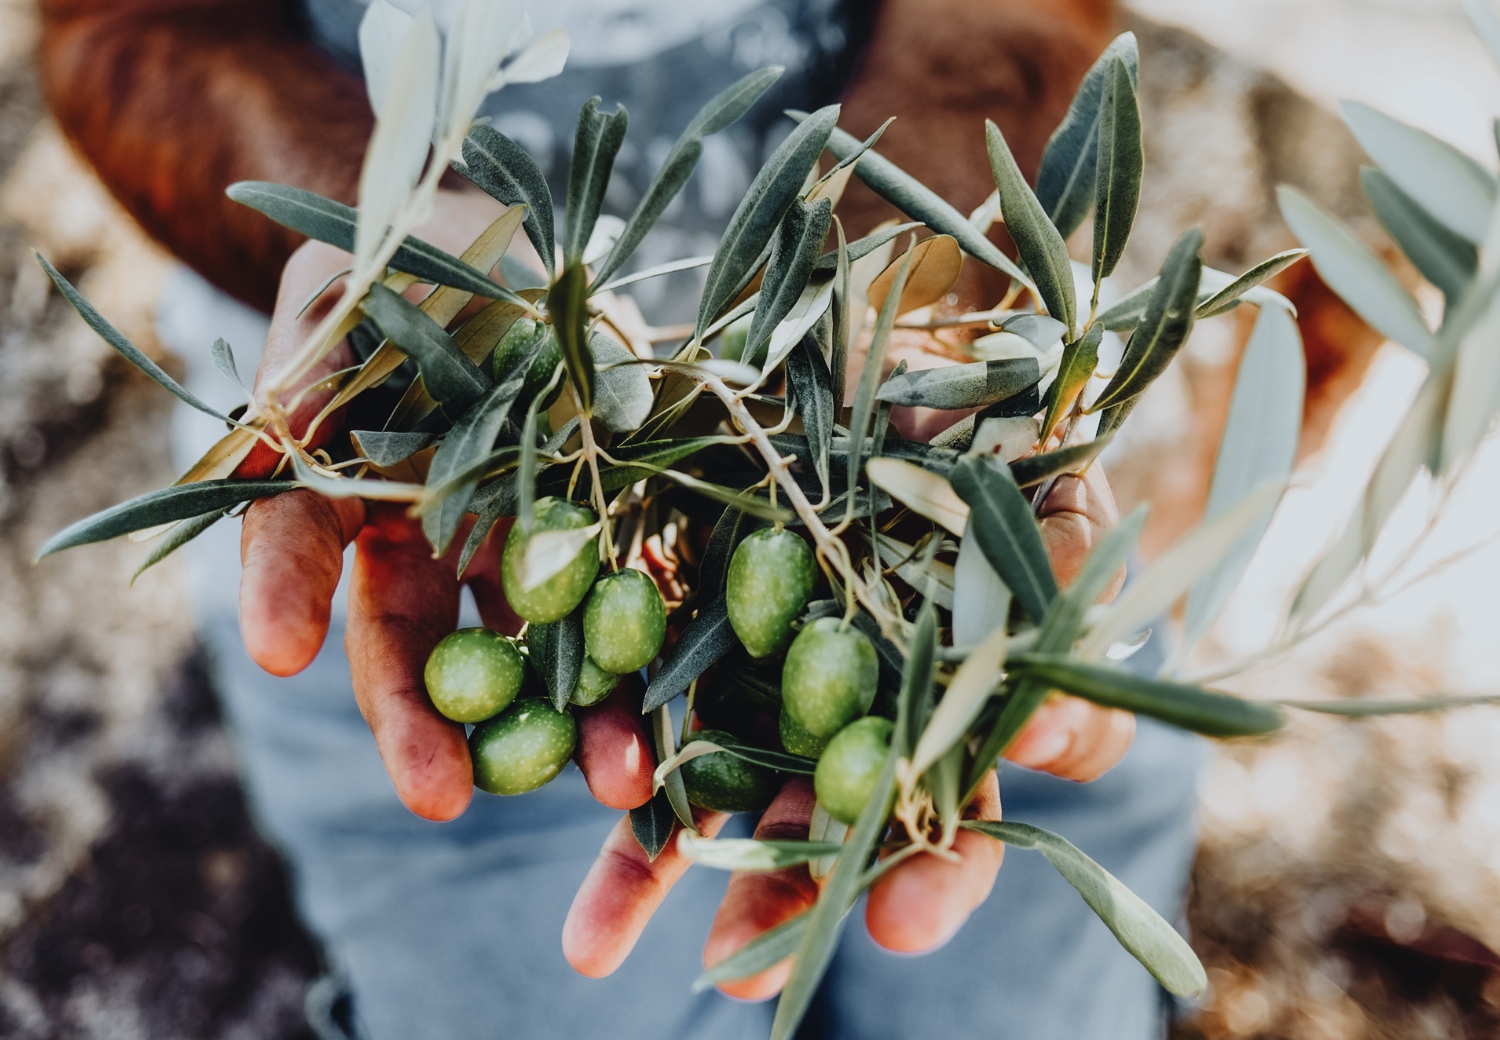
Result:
{"points": [[402, 601]]}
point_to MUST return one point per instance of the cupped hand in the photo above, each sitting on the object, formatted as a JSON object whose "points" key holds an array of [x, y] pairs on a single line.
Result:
{"points": [[921, 903], [402, 601]]}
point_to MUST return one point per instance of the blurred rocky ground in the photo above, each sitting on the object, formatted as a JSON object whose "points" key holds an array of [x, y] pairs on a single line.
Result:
{"points": [[1347, 882], [136, 899]]}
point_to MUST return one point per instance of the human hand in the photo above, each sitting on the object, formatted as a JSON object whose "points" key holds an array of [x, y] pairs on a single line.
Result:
{"points": [[921, 903], [401, 600]]}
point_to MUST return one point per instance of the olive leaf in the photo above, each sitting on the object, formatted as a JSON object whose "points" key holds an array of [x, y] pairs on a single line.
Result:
{"points": [[471, 439], [507, 173], [1259, 443], [1065, 180], [653, 823], [864, 396], [671, 785], [1169, 319], [766, 950], [921, 203], [595, 144], [1445, 259], [794, 249], [921, 490], [386, 447], [1177, 570], [752, 854], [708, 637], [178, 502], [918, 674], [935, 266], [1486, 24], [177, 536], [1361, 708], [1006, 531], [968, 692], [447, 373], [808, 376], [1033, 469], [863, 247], [732, 528], [1189, 707], [222, 355], [804, 317], [557, 654], [1245, 286], [1079, 359], [1360, 280], [622, 390], [548, 552], [981, 601], [765, 202], [332, 222], [973, 385], [1453, 188], [670, 267], [129, 350], [1120, 166], [1139, 928], [1039, 243], [567, 303], [497, 499], [722, 109]]}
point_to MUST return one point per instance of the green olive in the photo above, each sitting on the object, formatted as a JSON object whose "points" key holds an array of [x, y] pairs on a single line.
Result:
{"points": [[770, 581], [518, 340], [829, 677], [473, 674], [846, 774], [724, 782], [555, 598], [797, 740], [522, 748], [593, 685], [624, 621], [734, 337]]}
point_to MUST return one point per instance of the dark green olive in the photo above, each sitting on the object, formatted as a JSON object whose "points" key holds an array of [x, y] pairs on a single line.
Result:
{"points": [[524, 334], [593, 685], [556, 597], [624, 621], [522, 748], [473, 674], [725, 783], [829, 677], [797, 740], [846, 774], [734, 336], [770, 581]]}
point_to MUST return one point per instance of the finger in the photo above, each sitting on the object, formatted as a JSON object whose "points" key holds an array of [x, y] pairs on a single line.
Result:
{"points": [[1074, 739], [614, 750], [920, 904], [292, 552], [757, 902], [401, 602], [1075, 514], [623, 889]]}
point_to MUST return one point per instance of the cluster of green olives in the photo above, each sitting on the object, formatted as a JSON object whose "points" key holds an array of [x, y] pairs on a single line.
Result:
{"points": [[829, 671], [520, 741], [828, 682]]}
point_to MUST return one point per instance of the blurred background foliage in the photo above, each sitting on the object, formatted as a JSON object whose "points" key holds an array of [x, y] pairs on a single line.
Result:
{"points": [[1348, 879]]}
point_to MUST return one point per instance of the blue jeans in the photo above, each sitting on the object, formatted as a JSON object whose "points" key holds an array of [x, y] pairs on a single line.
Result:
{"points": [[452, 930]]}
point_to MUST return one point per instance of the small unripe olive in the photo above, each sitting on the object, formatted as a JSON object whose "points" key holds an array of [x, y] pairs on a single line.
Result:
{"points": [[555, 598], [593, 685], [846, 774], [734, 337], [724, 782], [522, 748], [770, 581], [518, 340], [829, 677], [624, 621], [797, 740], [473, 674]]}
